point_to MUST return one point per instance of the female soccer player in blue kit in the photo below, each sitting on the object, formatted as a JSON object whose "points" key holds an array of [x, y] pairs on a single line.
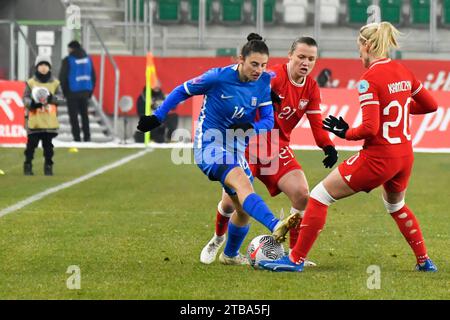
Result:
{"points": [[232, 95]]}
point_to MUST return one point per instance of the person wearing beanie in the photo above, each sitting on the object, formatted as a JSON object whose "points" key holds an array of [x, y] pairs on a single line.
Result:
{"points": [[42, 95], [77, 78]]}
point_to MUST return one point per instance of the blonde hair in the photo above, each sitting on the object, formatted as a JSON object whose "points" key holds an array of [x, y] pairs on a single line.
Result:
{"points": [[381, 37]]}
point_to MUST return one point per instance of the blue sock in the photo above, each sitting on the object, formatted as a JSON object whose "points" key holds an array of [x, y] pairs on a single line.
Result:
{"points": [[254, 205], [236, 236]]}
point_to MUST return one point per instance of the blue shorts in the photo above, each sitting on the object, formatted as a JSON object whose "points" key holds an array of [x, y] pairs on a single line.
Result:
{"points": [[218, 163]]}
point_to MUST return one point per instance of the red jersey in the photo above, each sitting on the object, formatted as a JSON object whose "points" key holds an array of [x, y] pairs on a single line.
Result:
{"points": [[296, 100], [388, 87]]}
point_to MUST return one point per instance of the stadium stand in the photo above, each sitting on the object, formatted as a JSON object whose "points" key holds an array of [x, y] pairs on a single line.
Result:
{"points": [[391, 11], [269, 10], [194, 10], [420, 11], [232, 10], [168, 10], [446, 12], [329, 12], [357, 10], [295, 11]]}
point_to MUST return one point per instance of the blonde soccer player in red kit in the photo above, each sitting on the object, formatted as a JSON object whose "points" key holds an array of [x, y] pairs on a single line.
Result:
{"points": [[388, 94], [294, 94]]}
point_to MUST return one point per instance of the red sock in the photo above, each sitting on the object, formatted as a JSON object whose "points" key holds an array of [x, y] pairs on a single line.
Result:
{"points": [[293, 235], [409, 227], [221, 224], [312, 224]]}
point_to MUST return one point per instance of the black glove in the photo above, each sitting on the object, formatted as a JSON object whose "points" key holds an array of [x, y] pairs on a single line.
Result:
{"points": [[148, 123], [332, 156], [337, 126], [35, 105], [274, 97], [50, 99], [244, 126]]}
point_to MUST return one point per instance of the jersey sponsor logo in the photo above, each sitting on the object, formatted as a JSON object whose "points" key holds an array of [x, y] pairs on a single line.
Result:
{"points": [[367, 96], [254, 101], [226, 97], [302, 103], [238, 113], [363, 86], [399, 86]]}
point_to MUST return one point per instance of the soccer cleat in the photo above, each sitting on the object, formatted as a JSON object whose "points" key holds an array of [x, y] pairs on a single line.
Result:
{"points": [[308, 263], [283, 226], [282, 264], [209, 252], [237, 260], [427, 266]]}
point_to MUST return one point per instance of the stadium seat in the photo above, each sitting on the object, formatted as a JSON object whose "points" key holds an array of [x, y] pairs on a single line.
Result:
{"points": [[232, 10], [357, 11], [420, 11], [269, 9], [391, 10], [168, 10], [226, 52], [329, 11], [295, 11], [194, 11], [446, 11]]}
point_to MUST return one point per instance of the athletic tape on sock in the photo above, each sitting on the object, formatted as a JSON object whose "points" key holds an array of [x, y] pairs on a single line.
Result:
{"points": [[393, 207], [223, 213], [321, 194]]}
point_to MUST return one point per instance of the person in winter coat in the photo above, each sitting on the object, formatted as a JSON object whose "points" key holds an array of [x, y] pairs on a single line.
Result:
{"points": [[41, 97]]}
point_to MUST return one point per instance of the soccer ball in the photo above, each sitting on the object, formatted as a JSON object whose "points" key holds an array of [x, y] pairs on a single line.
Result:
{"points": [[40, 94], [263, 247]]}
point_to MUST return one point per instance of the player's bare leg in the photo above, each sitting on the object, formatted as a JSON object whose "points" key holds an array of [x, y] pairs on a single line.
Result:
{"points": [[409, 227], [225, 209]]}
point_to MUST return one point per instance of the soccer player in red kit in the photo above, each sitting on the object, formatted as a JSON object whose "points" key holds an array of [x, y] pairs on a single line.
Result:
{"points": [[294, 94], [388, 94]]}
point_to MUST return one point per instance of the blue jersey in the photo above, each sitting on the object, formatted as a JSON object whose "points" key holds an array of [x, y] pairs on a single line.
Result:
{"points": [[227, 101]]}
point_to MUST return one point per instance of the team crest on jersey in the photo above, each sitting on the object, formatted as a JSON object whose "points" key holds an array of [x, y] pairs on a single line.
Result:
{"points": [[363, 86], [254, 101], [302, 103]]}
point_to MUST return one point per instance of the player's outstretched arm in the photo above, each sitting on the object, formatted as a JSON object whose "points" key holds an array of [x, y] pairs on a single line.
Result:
{"points": [[423, 103], [148, 123]]}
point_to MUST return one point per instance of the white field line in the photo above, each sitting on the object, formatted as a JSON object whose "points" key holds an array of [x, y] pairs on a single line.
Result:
{"points": [[19, 205]]}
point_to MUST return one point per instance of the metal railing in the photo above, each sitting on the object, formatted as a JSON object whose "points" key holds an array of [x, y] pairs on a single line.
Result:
{"points": [[86, 34], [13, 27]]}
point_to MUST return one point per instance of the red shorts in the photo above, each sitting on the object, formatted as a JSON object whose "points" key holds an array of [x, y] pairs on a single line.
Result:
{"points": [[364, 173], [271, 173]]}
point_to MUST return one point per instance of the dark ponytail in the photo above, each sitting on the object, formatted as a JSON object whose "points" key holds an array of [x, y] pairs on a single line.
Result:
{"points": [[255, 44]]}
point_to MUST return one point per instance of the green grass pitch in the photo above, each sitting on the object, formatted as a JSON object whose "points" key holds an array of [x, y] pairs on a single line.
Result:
{"points": [[136, 232]]}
